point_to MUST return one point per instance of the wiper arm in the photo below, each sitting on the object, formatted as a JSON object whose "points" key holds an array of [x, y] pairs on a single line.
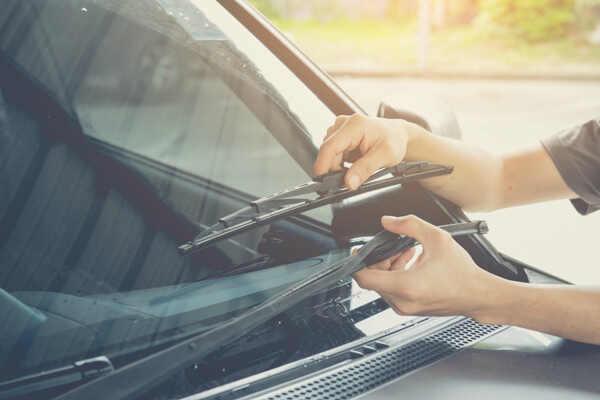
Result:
{"points": [[133, 380], [324, 190], [76, 373]]}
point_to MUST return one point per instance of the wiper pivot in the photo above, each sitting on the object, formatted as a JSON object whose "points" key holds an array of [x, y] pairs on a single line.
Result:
{"points": [[322, 190], [79, 372]]}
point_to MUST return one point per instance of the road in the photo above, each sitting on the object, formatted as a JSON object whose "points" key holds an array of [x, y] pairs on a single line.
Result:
{"points": [[503, 116]]}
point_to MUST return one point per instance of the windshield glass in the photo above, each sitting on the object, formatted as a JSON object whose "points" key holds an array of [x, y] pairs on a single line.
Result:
{"points": [[125, 128]]}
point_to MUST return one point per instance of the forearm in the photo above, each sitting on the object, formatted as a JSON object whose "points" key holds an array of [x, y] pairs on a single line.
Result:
{"points": [[572, 312], [483, 181], [530, 176], [474, 184]]}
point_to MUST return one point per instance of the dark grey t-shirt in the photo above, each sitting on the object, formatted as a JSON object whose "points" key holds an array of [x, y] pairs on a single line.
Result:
{"points": [[576, 154]]}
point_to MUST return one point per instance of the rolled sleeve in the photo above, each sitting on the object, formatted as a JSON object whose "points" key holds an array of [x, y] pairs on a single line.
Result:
{"points": [[576, 154]]}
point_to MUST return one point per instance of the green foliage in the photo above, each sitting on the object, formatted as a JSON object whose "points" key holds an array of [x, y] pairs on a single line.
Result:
{"points": [[530, 20], [266, 7]]}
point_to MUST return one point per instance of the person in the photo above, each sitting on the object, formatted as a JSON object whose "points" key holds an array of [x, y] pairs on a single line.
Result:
{"points": [[443, 279]]}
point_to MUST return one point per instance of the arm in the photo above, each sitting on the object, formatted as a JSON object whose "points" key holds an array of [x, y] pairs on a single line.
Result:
{"points": [[444, 280], [571, 312], [480, 181]]}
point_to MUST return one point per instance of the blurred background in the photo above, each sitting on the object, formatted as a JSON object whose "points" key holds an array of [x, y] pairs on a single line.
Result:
{"points": [[482, 37], [513, 71]]}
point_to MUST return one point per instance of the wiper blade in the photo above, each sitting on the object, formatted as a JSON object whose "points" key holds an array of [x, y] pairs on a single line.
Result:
{"points": [[133, 380], [324, 190], [76, 373]]}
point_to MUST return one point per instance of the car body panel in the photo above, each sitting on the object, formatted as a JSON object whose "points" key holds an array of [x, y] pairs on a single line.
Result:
{"points": [[514, 364]]}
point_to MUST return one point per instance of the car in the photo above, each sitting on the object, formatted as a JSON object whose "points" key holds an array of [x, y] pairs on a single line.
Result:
{"points": [[128, 128]]}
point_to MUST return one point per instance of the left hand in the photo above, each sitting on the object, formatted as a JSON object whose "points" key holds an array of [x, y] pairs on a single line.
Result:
{"points": [[443, 280]]}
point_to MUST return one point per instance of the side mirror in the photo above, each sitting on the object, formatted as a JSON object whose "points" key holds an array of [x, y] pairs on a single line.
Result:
{"points": [[442, 123]]}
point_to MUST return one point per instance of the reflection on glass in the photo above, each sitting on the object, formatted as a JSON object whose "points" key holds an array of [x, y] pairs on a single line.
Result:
{"points": [[125, 128]]}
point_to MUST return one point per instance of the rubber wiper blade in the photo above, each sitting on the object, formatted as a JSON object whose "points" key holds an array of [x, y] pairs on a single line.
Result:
{"points": [[321, 191], [133, 380]]}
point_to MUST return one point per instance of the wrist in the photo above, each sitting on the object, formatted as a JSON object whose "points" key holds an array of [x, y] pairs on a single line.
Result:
{"points": [[416, 137], [498, 301]]}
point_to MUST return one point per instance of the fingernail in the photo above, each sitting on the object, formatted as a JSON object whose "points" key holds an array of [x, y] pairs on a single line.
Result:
{"points": [[353, 181]]}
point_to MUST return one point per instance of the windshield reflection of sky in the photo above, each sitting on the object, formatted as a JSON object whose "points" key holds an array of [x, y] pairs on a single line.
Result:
{"points": [[193, 295]]}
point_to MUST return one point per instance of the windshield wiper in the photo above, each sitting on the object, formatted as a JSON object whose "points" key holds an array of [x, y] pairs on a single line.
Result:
{"points": [[76, 373], [132, 380], [324, 190]]}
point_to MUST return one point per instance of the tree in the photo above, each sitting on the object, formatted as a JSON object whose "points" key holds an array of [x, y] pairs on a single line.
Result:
{"points": [[531, 20]]}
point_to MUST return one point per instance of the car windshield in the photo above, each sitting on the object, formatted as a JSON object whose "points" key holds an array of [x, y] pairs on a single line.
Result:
{"points": [[125, 128]]}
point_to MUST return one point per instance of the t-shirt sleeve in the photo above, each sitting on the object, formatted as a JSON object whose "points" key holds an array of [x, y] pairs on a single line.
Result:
{"points": [[576, 154]]}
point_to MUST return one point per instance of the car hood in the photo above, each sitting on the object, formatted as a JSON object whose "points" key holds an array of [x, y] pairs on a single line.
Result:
{"points": [[514, 364], [455, 360]]}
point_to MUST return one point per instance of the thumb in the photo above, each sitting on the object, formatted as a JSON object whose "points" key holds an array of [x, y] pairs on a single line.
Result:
{"points": [[412, 226]]}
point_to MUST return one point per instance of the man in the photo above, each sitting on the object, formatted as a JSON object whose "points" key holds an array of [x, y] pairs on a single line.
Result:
{"points": [[444, 280]]}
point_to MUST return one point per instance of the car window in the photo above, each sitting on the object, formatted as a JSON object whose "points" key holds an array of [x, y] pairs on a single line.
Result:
{"points": [[169, 93], [125, 129]]}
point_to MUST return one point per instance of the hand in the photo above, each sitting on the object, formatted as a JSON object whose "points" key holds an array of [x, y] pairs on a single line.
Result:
{"points": [[370, 143], [443, 280]]}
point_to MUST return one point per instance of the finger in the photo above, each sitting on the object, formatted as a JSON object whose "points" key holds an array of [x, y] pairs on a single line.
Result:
{"points": [[338, 162], [375, 279], [401, 261], [339, 121], [424, 232], [344, 140], [363, 168], [386, 265]]}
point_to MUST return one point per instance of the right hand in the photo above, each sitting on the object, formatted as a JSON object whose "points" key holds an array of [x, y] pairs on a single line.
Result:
{"points": [[443, 280], [369, 143]]}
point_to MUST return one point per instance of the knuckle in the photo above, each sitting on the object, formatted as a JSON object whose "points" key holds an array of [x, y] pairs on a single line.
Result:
{"points": [[411, 221], [328, 147], [339, 121], [357, 118], [411, 218]]}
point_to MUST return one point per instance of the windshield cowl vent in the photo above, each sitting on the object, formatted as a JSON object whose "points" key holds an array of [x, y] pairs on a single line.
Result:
{"points": [[372, 370]]}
